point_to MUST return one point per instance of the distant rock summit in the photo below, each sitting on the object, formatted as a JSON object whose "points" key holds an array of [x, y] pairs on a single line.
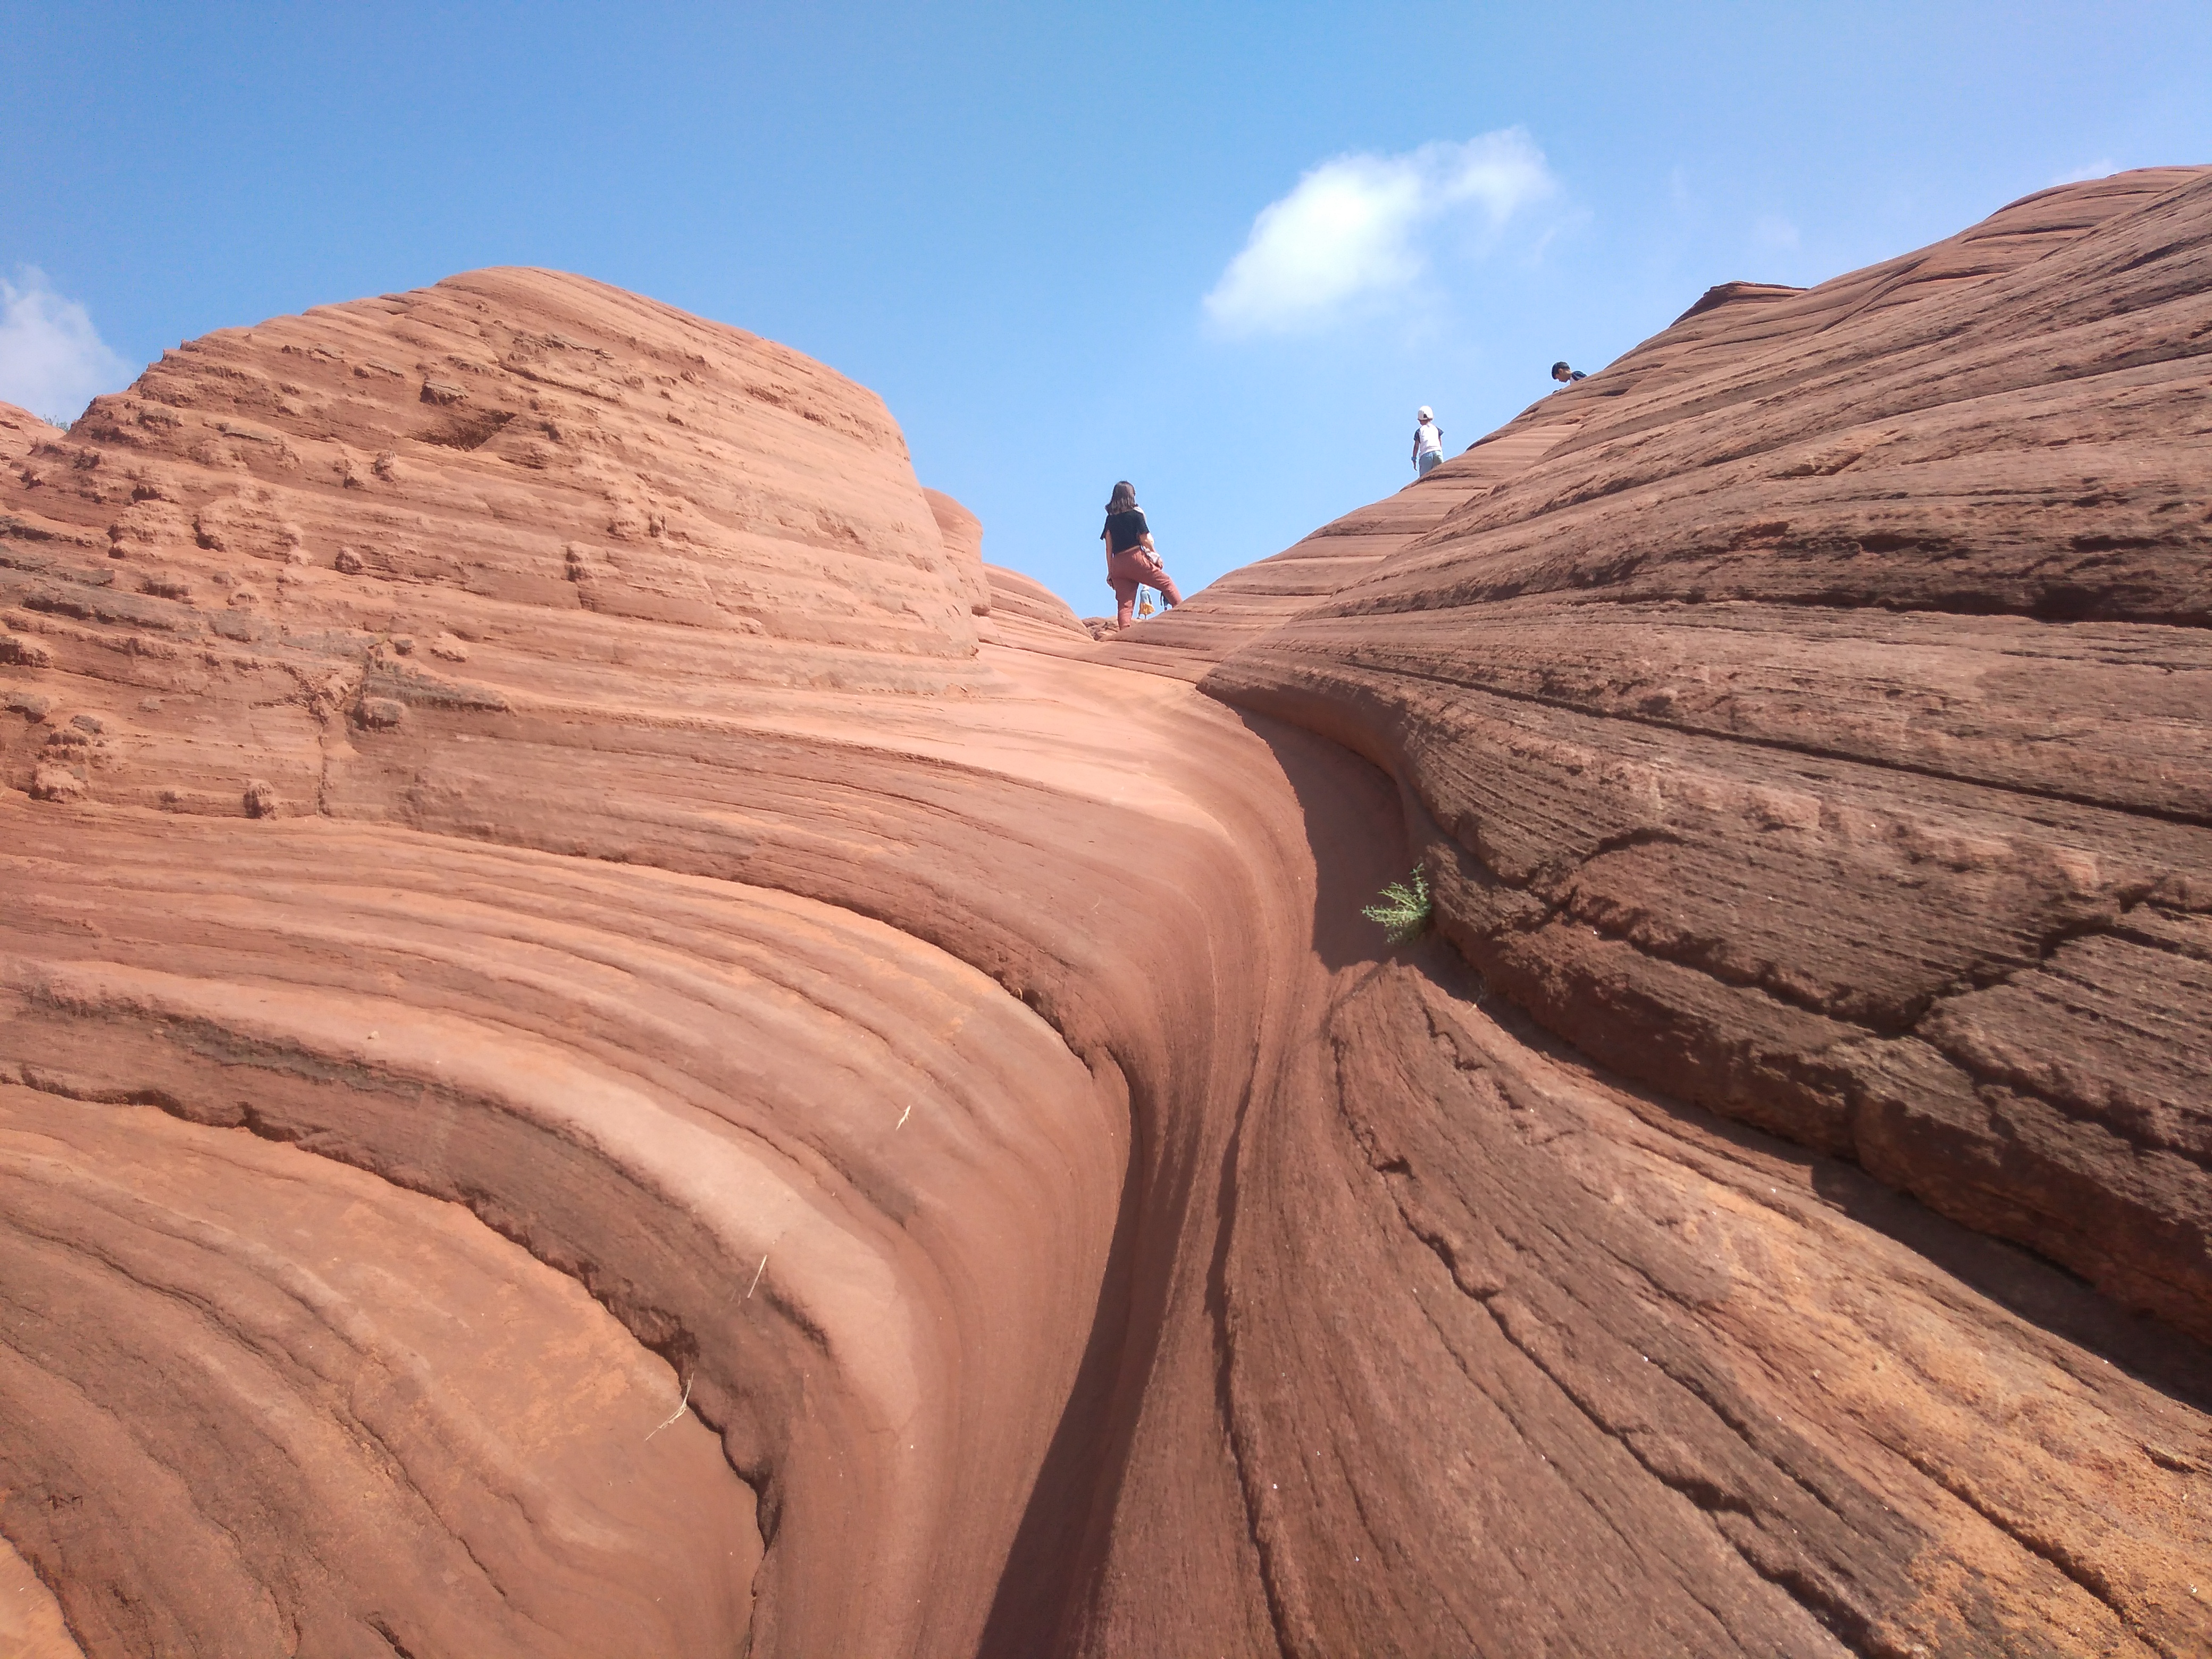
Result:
{"points": [[609, 1043]]}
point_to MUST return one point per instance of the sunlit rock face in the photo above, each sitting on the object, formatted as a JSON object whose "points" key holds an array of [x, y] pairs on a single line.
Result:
{"points": [[609, 1043], [1819, 730]]}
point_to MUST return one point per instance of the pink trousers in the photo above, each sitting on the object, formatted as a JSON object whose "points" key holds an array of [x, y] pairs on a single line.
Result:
{"points": [[1127, 571]]}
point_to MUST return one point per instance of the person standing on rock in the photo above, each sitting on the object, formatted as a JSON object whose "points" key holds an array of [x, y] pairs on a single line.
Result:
{"points": [[1132, 561], [1566, 376], [1428, 442]]}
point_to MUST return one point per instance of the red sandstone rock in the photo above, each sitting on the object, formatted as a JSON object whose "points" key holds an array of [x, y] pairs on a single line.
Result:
{"points": [[962, 532], [602, 947], [20, 430], [31, 1623], [1821, 734], [1246, 604], [1013, 593]]}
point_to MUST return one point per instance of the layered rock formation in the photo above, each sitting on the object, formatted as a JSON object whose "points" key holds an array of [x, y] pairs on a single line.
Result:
{"points": [[610, 1044], [1821, 734], [961, 534]]}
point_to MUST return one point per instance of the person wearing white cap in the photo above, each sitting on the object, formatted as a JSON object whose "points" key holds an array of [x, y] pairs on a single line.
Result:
{"points": [[1428, 443]]}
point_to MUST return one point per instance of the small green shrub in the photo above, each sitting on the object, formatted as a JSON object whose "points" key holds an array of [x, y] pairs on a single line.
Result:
{"points": [[1403, 907]]}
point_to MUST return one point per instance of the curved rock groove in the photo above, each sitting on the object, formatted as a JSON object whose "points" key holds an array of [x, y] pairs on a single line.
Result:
{"points": [[526, 1039], [695, 945]]}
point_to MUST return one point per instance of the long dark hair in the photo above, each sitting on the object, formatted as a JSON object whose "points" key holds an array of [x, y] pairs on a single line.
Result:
{"points": [[1125, 498]]}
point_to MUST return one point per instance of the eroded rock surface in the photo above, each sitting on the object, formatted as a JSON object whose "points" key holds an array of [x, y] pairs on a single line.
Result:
{"points": [[1019, 598], [610, 1045], [1823, 733]]}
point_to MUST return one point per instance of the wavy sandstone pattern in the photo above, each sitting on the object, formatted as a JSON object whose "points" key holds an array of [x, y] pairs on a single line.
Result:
{"points": [[559, 915], [1820, 732]]}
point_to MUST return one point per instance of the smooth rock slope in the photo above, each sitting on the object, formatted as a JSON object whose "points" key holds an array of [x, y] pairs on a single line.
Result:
{"points": [[611, 1045]]}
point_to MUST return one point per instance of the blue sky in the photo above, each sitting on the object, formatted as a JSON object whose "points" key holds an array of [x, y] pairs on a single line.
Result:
{"points": [[1222, 251]]}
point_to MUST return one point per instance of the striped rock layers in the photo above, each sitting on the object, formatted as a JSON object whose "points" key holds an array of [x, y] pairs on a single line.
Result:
{"points": [[609, 1045]]}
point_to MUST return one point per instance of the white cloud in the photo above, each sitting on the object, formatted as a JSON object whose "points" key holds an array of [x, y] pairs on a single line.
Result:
{"points": [[1362, 225], [2097, 169], [52, 360]]}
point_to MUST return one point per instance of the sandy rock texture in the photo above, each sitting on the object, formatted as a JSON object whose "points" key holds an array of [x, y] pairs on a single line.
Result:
{"points": [[18, 430], [1015, 597], [961, 533], [611, 1045], [1823, 733], [31, 1622]]}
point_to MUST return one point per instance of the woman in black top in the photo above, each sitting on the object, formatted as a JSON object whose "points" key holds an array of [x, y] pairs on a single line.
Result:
{"points": [[1132, 561]]}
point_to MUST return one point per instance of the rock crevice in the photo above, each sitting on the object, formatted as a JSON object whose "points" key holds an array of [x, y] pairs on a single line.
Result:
{"points": [[607, 1037]]}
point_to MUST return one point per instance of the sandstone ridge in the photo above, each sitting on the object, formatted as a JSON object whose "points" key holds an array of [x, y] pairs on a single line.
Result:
{"points": [[1820, 731], [609, 1043]]}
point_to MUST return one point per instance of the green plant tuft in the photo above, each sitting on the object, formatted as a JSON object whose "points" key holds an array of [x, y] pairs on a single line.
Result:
{"points": [[1403, 907]]}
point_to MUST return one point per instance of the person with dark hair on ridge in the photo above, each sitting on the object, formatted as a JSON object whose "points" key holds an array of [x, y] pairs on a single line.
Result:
{"points": [[1132, 561], [1565, 375]]}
